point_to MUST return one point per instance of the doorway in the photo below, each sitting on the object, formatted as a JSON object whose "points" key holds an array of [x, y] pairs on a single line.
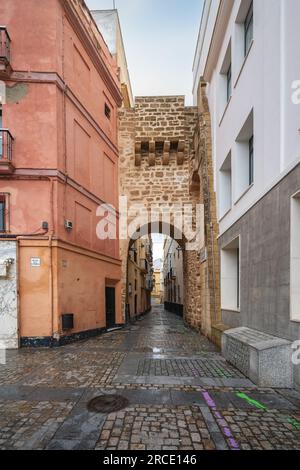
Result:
{"points": [[110, 302], [135, 305]]}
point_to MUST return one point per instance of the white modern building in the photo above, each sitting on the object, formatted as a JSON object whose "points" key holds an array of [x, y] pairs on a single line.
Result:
{"points": [[248, 55], [108, 23]]}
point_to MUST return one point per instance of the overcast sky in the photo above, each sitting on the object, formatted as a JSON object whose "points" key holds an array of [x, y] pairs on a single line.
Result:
{"points": [[160, 40]]}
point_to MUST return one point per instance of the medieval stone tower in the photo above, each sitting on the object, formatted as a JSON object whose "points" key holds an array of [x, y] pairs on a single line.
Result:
{"points": [[156, 140]]}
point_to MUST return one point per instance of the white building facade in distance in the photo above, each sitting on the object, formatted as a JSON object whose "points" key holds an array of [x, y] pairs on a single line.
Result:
{"points": [[173, 276], [248, 55], [108, 23]]}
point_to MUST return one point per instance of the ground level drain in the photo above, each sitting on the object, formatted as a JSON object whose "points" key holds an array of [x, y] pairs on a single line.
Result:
{"points": [[107, 404]]}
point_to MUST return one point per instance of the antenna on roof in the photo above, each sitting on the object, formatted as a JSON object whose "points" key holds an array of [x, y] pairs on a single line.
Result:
{"points": [[114, 2]]}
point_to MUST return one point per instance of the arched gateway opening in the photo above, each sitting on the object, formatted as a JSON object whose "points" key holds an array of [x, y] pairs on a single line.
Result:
{"points": [[135, 256], [140, 272], [156, 141]]}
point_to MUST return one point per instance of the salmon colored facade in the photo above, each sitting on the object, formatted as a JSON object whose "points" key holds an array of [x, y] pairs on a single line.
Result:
{"points": [[62, 98]]}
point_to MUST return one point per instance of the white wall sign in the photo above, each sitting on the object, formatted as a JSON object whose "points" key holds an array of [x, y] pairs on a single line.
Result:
{"points": [[35, 262]]}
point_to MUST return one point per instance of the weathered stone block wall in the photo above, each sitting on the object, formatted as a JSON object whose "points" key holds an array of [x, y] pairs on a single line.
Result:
{"points": [[156, 149]]}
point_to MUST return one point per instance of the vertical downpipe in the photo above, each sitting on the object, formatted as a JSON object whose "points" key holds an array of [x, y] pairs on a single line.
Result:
{"points": [[51, 257]]}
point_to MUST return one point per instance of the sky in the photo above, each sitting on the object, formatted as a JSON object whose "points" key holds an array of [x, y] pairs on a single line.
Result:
{"points": [[158, 246], [160, 40]]}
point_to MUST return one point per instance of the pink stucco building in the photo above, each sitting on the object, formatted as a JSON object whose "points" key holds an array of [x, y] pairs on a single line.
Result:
{"points": [[58, 163]]}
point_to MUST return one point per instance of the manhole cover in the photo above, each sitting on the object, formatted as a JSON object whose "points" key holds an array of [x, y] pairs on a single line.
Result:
{"points": [[107, 404], [145, 350]]}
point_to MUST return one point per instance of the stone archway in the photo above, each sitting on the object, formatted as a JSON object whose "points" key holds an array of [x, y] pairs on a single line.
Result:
{"points": [[156, 152]]}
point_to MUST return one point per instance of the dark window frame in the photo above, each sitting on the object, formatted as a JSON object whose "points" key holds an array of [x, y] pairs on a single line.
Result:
{"points": [[3, 206], [229, 83], [251, 160], [248, 29], [107, 111]]}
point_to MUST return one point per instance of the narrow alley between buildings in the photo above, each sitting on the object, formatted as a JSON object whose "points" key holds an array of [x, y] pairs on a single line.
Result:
{"points": [[175, 391]]}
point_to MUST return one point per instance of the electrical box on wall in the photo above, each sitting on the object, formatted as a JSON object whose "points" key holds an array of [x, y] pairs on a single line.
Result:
{"points": [[68, 225]]}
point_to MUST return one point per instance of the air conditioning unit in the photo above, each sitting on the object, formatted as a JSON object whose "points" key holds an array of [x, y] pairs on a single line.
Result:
{"points": [[68, 225]]}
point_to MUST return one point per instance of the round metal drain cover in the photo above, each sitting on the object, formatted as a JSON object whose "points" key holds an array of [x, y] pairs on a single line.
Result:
{"points": [[107, 404], [145, 350]]}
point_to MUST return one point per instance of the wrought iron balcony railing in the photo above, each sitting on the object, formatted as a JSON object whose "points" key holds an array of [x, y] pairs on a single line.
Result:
{"points": [[6, 151], [149, 283], [144, 265], [173, 273], [4, 44]]}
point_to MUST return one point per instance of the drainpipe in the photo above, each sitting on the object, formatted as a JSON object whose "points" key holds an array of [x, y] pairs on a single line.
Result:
{"points": [[64, 120], [127, 312], [51, 256]]}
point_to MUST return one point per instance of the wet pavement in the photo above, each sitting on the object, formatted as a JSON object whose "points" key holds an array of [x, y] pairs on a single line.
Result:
{"points": [[182, 395]]}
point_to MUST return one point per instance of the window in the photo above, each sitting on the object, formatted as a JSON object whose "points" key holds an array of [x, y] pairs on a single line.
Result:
{"points": [[225, 82], [1, 135], [243, 34], [244, 162], [2, 214], [238, 277], [229, 83], [107, 111], [248, 29], [225, 193], [251, 161], [295, 259], [230, 276]]}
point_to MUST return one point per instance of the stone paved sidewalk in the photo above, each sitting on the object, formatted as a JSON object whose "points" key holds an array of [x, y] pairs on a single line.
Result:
{"points": [[182, 395]]}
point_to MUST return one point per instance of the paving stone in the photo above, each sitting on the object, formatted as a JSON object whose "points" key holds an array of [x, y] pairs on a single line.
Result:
{"points": [[44, 395]]}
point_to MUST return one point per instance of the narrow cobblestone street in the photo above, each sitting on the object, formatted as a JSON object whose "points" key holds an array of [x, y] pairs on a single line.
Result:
{"points": [[182, 395]]}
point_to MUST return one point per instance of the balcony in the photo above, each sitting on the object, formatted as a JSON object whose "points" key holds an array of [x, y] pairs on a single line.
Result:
{"points": [[173, 273], [5, 67], [6, 147], [149, 283], [144, 265]]}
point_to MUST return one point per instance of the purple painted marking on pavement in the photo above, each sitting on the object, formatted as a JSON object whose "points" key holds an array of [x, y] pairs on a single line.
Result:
{"points": [[222, 422], [209, 400], [227, 431], [234, 444]]}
